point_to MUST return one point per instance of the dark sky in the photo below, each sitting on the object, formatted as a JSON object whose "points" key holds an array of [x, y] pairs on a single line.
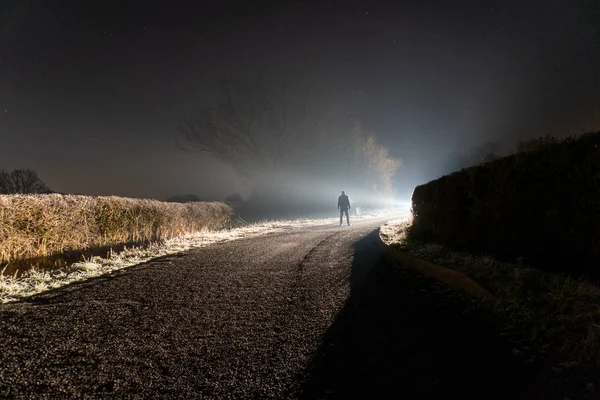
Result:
{"points": [[91, 92]]}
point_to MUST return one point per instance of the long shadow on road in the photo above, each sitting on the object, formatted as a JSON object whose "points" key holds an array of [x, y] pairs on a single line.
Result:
{"points": [[400, 335]]}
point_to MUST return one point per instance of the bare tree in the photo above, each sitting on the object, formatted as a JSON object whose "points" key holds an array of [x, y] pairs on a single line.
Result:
{"points": [[6, 183], [261, 124], [22, 181], [373, 162], [286, 138]]}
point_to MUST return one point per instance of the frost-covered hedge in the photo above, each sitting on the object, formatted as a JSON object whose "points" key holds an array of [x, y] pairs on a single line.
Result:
{"points": [[43, 225]]}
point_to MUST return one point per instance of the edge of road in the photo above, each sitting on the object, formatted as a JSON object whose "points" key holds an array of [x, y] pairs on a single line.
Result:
{"points": [[452, 278]]}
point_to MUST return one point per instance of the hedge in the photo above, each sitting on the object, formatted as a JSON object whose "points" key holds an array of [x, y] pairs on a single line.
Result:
{"points": [[43, 225], [541, 205]]}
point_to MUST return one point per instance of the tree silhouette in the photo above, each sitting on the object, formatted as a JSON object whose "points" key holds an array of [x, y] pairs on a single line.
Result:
{"points": [[22, 181], [263, 127], [260, 123]]}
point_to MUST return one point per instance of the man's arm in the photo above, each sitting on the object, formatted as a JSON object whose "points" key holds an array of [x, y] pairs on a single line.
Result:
{"points": [[339, 203]]}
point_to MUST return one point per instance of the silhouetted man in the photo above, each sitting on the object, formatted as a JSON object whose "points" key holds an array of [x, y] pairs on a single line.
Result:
{"points": [[344, 206]]}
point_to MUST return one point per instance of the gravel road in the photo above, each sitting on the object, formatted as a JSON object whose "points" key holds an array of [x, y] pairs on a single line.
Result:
{"points": [[311, 313]]}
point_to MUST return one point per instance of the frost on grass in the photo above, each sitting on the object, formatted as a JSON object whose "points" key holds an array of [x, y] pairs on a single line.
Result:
{"points": [[34, 281], [394, 231]]}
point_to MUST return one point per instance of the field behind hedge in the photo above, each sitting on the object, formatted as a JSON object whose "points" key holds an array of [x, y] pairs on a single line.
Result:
{"points": [[33, 226], [541, 205]]}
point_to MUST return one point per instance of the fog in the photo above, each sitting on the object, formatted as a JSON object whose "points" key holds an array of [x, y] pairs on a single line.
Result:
{"points": [[93, 102]]}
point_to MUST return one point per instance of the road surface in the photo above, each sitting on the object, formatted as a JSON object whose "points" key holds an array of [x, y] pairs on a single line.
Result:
{"points": [[311, 313]]}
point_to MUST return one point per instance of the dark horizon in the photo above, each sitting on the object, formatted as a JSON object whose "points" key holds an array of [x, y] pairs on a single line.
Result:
{"points": [[91, 94]]}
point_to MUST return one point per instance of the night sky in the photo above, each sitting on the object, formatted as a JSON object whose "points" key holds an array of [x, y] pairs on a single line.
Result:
{"points": [[91, 92]]}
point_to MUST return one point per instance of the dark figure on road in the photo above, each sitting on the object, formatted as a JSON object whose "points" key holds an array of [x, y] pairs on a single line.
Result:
{"points": [[344, 206]]}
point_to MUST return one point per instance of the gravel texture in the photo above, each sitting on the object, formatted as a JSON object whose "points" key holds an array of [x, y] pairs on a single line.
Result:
{"points": [[313, 313]]}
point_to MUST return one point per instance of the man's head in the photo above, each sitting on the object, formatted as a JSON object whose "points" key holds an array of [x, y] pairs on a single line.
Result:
{"points": [[343, 193]]}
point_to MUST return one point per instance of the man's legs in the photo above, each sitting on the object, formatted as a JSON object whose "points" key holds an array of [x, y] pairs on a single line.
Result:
{"points": [[342, 212]]}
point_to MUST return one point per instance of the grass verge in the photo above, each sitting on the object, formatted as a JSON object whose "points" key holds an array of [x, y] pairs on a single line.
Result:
{"points": [[554, 312], [33, 281]]}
